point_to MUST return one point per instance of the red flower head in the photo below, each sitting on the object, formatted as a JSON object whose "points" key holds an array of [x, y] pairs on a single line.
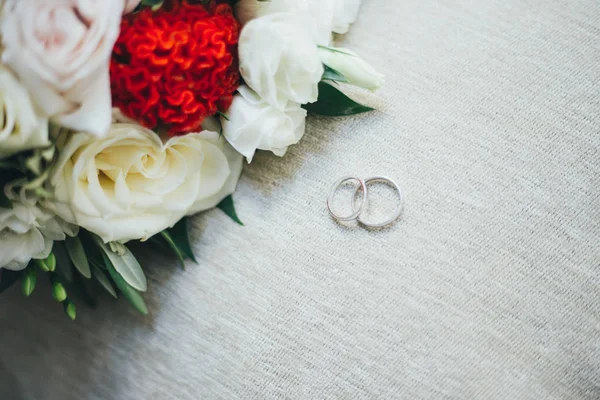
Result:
{"points": [[176, 66]]}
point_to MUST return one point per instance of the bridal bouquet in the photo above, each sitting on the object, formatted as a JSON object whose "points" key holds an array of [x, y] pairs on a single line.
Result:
{"points": [[121, 118]]}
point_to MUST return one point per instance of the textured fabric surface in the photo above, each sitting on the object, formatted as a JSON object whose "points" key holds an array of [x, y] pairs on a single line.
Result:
{"points": [[488, 288]]}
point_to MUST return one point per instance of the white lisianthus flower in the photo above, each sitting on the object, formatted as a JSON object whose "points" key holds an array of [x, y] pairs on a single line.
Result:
{"points": [[129, 185], [355, 69], [279, 60], [324, 16], [21, 127], [130, 5], [27, 231], [60, 51], [345, 14], [252, 124], [316, 15]]}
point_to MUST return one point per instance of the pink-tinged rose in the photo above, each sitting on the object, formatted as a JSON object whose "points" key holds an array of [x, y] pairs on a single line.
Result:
{"points": [[60, 50], [130, 5]]}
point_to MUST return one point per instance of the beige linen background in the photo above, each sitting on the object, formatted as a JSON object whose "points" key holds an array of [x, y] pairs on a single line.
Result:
{"points": [[489, 287]]}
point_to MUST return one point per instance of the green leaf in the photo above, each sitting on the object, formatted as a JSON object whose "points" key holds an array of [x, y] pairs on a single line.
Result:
{"points": [[336, 50], [8, 278], [228, 208], [165, 235], [333, 103], [126, 265], [154, 4], [77, 254], [132, 295], [64, 267], [104, 281], [180, 236], [331, 74], [83, 289]]}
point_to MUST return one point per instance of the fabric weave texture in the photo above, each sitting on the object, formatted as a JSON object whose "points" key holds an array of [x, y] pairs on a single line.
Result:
{"points": [[488, 288]]}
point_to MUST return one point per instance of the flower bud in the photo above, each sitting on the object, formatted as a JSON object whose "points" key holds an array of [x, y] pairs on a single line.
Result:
{"points": [[51, 262], [29, 281], [41, 264], [58, 292], [70, 309], [357, 71]]}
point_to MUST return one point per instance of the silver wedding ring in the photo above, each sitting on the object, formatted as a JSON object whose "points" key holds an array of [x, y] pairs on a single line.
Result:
{"points": [[358, 212]]}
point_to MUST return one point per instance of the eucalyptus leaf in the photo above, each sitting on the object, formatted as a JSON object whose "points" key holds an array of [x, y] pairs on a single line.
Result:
{"points": [[331, 74], [228, 208], [333, 103], [126, 265], [64, 266], [167, 236], [180, 236], [77, 254], [133, 296], [104, 281], [84, 290]]}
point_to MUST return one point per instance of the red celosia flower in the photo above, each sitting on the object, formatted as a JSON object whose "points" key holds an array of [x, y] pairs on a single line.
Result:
{"points": [[174, 67]]}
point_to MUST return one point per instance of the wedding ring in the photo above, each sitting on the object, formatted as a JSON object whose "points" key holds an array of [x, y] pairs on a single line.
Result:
{"points": [[397, 212], [356, 212]]}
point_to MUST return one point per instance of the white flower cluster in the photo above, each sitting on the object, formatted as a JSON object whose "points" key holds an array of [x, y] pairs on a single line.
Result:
{"points": [[283, 46], [112, 176]]}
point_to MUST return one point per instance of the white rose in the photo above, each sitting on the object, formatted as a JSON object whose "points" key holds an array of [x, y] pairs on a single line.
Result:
{"points": [[345, 14], [60, 50], [27, 231], [253, 124], [317, 15], [129, 185], [279, 60], [21, 127], [130, 5], [355, 69]]}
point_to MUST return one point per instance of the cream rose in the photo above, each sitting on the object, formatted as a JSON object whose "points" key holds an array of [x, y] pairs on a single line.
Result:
{"points": [[22, 128], [27, 231], [60, 50], [279, 60], [129, 185], [253, 124]]}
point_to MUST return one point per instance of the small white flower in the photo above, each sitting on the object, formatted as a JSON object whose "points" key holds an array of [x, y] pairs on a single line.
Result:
{"points": [[355, 69], [322, 16], [316, 15], [279, 60], [21, 128], [129, 185], [27, 231], [253, 124], [60, 50], [345, 14]]}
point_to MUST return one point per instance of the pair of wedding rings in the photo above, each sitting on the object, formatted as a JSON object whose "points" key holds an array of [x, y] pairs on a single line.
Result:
{"points": [[363, 190]]}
